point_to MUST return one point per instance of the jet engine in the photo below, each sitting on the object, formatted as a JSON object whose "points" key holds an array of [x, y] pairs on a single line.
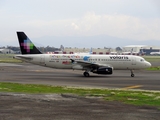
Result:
{"points": [[103, 70]]}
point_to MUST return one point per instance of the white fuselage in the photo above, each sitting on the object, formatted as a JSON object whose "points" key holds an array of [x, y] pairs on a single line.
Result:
{"points": [[63, 61]]}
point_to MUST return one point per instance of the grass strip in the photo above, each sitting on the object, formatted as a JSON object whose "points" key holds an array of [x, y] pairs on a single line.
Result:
{"points": [[152, 58], [154, 68], [8, 58], [126, 96]]}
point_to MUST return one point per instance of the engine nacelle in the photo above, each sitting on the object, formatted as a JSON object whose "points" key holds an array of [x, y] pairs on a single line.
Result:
{"points": [[103, 70]]}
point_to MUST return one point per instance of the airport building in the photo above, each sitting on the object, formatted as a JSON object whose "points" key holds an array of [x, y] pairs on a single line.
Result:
{"points": [[126, 50], [141, 48]]}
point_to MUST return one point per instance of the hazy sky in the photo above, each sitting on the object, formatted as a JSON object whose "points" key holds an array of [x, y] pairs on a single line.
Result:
{"points": [[81, 23]]}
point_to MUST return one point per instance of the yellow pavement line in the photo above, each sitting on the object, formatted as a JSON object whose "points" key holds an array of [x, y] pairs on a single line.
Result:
{"points": [[132, 87]]}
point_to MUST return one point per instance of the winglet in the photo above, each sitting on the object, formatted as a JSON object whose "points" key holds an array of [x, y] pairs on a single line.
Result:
{"points": [[27, 47]]}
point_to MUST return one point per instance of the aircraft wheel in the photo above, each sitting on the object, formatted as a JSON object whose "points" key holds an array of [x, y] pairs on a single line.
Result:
{"points": [[86, 74], [132, 75]]}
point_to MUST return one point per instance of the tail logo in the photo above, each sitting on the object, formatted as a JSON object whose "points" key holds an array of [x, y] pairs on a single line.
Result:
{"points": [[27, 45]]}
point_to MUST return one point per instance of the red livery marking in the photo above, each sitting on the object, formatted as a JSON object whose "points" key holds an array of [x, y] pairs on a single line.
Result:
{"points": [[66, 62]]}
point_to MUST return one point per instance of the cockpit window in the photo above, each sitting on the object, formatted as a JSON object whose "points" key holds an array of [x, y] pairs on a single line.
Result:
{"points": [[141, 60]]}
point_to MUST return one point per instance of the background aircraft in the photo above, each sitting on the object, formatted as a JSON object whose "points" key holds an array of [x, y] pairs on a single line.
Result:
{"points": [[155, 53]]}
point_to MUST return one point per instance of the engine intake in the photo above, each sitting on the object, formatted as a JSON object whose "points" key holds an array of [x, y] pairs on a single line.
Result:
{"points": [[103, 70]]}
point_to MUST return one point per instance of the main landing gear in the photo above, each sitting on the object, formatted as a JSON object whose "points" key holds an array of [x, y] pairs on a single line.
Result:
{"points": [[132, 74], [86, 74]]}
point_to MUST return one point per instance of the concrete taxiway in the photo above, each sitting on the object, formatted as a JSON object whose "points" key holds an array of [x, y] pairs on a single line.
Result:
{"points": [[71, 107], [34, 74]]}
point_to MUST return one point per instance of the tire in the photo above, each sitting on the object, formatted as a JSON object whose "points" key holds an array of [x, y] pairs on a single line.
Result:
{"points": [[132, 75], [86, 74]]}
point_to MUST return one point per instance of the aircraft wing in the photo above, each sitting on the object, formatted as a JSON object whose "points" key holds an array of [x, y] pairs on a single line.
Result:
{"points": [[87, 64]]}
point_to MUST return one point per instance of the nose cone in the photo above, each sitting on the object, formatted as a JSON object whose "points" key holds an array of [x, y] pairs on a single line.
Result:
{"points": [[148, 64]]}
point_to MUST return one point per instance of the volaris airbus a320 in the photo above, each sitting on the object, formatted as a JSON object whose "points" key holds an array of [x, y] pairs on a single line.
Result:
{"points": [[98, 64]]}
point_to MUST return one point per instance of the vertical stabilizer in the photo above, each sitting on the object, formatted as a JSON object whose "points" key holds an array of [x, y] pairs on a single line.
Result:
{"points": [[90, 52], [26, 46]]}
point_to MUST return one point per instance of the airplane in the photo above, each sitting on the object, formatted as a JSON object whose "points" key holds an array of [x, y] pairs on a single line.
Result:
{"points": [[155, 53], [98, 64], [131, 52]]}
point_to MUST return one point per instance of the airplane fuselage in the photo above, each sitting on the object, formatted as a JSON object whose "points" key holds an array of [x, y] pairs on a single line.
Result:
{"points": [[63, 61]]}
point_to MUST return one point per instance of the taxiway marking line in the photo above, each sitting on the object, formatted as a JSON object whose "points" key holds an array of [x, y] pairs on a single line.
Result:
{"points": [[132, 87]]}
